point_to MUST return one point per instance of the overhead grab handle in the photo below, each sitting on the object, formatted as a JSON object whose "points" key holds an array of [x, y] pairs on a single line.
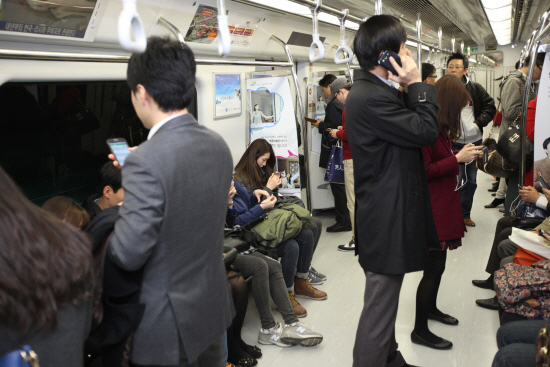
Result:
{"points": [[316, 43], [128, 21], [344, 48], [224, 38]]}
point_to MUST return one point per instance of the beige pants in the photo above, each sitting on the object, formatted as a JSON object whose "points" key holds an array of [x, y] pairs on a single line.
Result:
{"points": [[350, 191]]}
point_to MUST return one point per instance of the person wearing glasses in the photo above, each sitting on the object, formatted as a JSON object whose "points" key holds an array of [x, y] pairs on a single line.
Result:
{"points": [[428, 73], [473, 119]]}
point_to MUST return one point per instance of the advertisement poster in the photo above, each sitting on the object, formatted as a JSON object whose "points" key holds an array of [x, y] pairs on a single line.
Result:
{"points": [[241, 33], [228, 95], [61, 19], [272, 117], [204, 26], [542, 127]]}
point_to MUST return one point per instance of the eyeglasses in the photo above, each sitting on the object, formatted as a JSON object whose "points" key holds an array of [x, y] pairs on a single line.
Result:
{"points": [[433, 76], [454, 67]]}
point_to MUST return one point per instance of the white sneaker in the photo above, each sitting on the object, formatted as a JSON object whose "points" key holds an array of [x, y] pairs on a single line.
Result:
{"points": [[298, 333], [273, 336]]}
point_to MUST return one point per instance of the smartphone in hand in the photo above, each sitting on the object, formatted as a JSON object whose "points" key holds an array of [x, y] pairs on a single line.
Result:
{"points": [[119, 147], [384, 61], [542, 181], [485, 151]]}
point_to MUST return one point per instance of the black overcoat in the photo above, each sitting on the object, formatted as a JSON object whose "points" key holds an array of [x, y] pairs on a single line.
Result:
{"points": [[386, 131]]}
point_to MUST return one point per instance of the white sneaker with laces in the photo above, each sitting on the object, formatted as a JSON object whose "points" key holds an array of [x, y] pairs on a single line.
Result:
{"points": [[298, 333], [273, 336]]}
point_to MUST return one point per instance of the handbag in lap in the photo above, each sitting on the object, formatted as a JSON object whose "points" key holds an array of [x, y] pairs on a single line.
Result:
{"points": [[24, 357]]}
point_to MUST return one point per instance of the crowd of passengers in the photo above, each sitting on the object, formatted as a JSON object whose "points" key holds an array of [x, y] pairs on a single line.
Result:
{"points": [[121, 279]]}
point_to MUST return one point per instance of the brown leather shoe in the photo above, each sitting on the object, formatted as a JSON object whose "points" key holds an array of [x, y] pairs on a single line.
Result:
{"points": [[469, 222], [298, 309], [303, 289]]}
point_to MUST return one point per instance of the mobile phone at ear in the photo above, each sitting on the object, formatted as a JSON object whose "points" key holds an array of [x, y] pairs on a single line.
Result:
{"points": [[119, 147], [384, 61]]}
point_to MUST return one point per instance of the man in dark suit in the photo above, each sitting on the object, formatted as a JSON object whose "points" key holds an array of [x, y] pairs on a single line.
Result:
{"points": [[393, 219], [171, 222]]}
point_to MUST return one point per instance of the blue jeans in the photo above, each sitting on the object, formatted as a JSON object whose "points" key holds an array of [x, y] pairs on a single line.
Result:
{"points": [[296, 254], [516, 343], [467, 175]]}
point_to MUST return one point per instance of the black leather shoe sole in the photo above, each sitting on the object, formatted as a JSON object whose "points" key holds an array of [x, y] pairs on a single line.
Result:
{"points": [[444, 344], [447, 319], [338, 228], [490, 304], [485, 284], [494, 203]]}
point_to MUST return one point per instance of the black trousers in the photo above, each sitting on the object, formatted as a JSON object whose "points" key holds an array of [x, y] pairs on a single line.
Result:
{"points": [[340, 204]]}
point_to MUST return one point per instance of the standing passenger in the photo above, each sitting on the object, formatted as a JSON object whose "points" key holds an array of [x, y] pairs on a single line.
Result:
{"points": [[441, 170], [394, 224], [472, 121], [429, 74], [171, 222]]}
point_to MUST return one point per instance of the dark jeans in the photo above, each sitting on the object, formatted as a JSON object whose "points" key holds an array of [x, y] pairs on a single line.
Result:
{"points": [[512, 193], [317, 229], [296, 254], [340, 204], [467, 175], [516, 343], [267, 279]]}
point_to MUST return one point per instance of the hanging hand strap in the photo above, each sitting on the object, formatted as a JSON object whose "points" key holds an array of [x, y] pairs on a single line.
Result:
{"points": [[344, 48], [316, 43], [129, 19]]}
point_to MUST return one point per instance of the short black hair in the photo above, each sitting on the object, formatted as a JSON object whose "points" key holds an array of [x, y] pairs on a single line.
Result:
{"points": [[427, 70], [327, 80], [458, 56], [539, 61], [545, 144], [379, 33], [167, 71], [517, 65], [109, 175]]}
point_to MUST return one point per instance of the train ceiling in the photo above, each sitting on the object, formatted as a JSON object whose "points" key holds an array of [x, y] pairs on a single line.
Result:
{"points": [[463, 19]]}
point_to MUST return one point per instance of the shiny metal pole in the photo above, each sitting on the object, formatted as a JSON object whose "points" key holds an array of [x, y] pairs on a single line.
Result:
{"points": [[419, 44], [172, 28], [302, 118]]}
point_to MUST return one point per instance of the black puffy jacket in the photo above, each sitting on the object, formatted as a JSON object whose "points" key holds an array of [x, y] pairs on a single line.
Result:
{"points": [[484, 104]]}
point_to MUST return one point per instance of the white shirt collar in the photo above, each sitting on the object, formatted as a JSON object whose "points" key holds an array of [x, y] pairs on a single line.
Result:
{"points": [[155, 128], [382, 79]]}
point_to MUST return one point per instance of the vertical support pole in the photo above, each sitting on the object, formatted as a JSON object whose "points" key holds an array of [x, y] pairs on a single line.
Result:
{"points": [[378, 7], [301, 118], [453, 41], [419, 45]]}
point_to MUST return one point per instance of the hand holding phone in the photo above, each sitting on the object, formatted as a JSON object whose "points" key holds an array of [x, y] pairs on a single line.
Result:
{"points": [[542, 181], [119, 148]]}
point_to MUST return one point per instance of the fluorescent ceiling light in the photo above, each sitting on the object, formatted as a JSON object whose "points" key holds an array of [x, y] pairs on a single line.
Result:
{"points": [[493, 4], [472, 60], [500, 14], [501, 26]]}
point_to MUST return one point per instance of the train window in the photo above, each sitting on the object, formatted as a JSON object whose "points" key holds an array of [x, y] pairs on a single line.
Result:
{"points": [[52, 136]]}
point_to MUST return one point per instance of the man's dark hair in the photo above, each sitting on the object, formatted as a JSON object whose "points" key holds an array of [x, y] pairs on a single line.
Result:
{"points": [[458, 56], [167, 71], [517, 65], [327, 80], [545, 144], [379, 33], [427, 70], [109, 175]]}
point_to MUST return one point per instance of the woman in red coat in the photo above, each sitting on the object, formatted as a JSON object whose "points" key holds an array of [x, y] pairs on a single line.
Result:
{"points": [[442, 170]]}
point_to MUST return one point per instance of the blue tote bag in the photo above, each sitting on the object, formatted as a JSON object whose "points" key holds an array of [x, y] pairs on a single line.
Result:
{"points": [[335, 167]]}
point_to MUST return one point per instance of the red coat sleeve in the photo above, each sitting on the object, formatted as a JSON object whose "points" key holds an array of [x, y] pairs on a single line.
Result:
{"points": [[342, 134], [531, 109], [437, 161]]}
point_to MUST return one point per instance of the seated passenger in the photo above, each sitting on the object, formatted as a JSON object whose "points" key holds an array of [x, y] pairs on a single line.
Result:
{"points": [[267, 278], [109, 191], [68, 211], [40, 252], [257, 170], [516, 343]]}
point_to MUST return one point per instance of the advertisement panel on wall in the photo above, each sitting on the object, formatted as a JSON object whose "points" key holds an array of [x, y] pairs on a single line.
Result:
{"points": [[542, 127], [272, 117]]}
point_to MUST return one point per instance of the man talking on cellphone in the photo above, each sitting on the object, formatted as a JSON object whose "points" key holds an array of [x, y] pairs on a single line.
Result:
{"points": [[170, 225], [394, 223]]}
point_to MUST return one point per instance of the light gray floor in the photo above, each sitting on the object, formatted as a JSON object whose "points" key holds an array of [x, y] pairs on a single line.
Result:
{"points": [[337, 317]]}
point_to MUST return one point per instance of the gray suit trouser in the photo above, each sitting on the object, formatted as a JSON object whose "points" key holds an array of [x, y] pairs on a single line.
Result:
{"points": [[375, 344], [212, 356]]}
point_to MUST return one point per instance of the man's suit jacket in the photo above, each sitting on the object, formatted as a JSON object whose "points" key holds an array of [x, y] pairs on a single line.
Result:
{"points": [[386, 129], [171, 224]]}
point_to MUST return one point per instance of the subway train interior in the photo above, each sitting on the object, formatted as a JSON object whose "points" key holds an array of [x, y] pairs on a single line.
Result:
{"points": [[63, 93]]}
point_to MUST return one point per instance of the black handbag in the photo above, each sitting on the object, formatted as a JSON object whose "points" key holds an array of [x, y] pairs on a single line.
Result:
{"points": [[496, 165], [509, 147]]}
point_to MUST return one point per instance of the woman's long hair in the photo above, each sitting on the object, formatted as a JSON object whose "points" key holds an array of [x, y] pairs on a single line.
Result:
{"points": [[68, 211], [247, 170], [452, 97], [44, 263]]}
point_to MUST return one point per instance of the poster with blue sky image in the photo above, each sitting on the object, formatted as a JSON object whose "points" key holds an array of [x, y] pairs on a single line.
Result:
{"points": [[228, 95]]}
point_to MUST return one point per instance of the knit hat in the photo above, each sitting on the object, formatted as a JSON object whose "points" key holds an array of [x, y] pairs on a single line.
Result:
{"points": [[336, 85]]}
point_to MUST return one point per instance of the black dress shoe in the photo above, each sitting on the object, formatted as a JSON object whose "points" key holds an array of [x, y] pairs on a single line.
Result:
{"points": [[490, 303], [493, 189], [337, 227], [485, 284], [443, 344], [444, 319], [496, 202]]}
